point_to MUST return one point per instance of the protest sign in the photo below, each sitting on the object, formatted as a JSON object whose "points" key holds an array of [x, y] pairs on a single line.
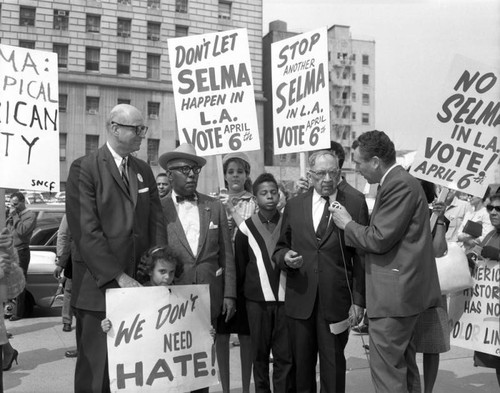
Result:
{"points": [[461, 150], [214, 92], [301, 105], [29, 121], [160, 339], [474, 313]]}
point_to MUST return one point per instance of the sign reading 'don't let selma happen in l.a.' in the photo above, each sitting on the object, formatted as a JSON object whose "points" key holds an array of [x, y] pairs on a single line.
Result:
{"points": [[301, 105], [160, 339], [462, 149], [474, 313], [29, 122], [214, 92]]}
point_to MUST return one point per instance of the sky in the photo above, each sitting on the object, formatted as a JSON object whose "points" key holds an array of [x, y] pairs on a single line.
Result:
{"points": [[415, 43]]}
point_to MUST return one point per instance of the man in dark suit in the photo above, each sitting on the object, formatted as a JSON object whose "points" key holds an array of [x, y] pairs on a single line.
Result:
{"points": [[114, 215], [325, 279], [198, 231], [401, 275]]}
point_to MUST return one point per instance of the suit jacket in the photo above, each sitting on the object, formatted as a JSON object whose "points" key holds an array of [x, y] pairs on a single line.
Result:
{"points": [[401, 275], [215, 250], [323, 272], [111, 228]]}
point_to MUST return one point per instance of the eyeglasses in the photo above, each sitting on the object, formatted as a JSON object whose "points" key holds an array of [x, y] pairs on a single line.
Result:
{"points": [[491, 207], [322, 174], [139, 130], [186, 169]]}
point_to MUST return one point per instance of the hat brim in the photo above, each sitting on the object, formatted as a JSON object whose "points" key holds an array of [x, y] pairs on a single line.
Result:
{"points": [[165, 158]]}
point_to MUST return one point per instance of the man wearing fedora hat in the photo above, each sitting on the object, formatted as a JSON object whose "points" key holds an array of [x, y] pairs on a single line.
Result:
{"points": [[198, 231]]}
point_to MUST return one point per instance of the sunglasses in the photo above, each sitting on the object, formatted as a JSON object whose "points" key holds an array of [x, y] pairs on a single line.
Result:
{"points": [[491, 207], [139, 130]]}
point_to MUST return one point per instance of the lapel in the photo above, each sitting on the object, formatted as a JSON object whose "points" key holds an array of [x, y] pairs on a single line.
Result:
{"points": [[307, 209], [205, 212], [380, 191], [173, 220], [133, 181], [110, 164]]}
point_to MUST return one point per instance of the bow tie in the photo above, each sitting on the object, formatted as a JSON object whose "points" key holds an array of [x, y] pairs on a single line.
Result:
{"points": [[190, 198]]}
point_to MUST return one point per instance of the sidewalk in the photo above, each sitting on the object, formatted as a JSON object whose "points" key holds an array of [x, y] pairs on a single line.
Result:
{"points": [[43, 368]]}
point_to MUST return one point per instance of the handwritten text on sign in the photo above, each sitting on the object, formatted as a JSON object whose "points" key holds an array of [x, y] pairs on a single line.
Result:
{"points": [[462, 150], [214, 93], [301, 115], [29, 131], [474, 313], [160, 339]]}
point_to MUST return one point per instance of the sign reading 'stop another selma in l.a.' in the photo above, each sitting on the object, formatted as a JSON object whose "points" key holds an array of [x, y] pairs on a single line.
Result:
{"points": [[214, 92], [301, 105], [29, 123]]}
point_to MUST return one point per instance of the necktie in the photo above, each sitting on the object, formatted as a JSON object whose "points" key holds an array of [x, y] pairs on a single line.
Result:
{"points": [[323, 224], [123, 169], [190, 198]]}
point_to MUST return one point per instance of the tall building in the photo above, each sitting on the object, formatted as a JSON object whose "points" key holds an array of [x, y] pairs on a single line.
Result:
{"points": [[351, 84], [115, 51]]}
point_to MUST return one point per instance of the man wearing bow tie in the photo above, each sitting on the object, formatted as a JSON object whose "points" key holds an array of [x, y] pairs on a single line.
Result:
{"points": [[114, 215], [197, 230]]}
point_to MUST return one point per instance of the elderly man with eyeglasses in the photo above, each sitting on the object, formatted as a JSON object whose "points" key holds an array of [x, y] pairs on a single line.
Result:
{"points": [[325, 279], [114, 215], [198, 231]]}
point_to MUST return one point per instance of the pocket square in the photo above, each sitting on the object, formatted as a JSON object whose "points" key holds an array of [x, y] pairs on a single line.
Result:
{"points": [[146, 189], [212, 226]]}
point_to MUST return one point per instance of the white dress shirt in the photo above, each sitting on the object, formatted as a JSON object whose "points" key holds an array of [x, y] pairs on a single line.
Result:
{"points": [[318, 206], [189, 217]]}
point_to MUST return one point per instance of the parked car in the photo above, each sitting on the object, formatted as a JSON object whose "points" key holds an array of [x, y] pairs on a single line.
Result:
{"points": [[41, 285]]}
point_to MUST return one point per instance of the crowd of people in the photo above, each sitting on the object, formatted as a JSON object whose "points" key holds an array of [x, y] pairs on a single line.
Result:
{"points": [[290, 277]]}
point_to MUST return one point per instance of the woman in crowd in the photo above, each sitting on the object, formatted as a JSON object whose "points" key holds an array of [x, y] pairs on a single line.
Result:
{"points": [[240, 205], [479, 215]]}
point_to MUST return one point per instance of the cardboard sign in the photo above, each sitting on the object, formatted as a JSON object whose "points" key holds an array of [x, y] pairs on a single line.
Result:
{"points": [[301, 104], [462, 149], [475, 313], [29, 119], [160, 339], [214, 92]]}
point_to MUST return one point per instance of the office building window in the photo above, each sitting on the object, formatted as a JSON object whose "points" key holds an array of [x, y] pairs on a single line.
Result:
{"points": [[62, 146], [154, 31], [224, 10], [293, 157], [123, 101], [153, 66], [353, 57], [123, 62], [92, 56], [353, 97], [91, 143], [353, 76], [27, 16], [153, 148], [124, 2], [62, 55], [92, 105], [365, 119], [27, 44], [63, 102], [123, 27], [366, 99], [61, 19], [181, 31], [155, 4], [153, 110], [181, 6], [366, 60], [353, 116], [93, 23], [366, 79]]}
